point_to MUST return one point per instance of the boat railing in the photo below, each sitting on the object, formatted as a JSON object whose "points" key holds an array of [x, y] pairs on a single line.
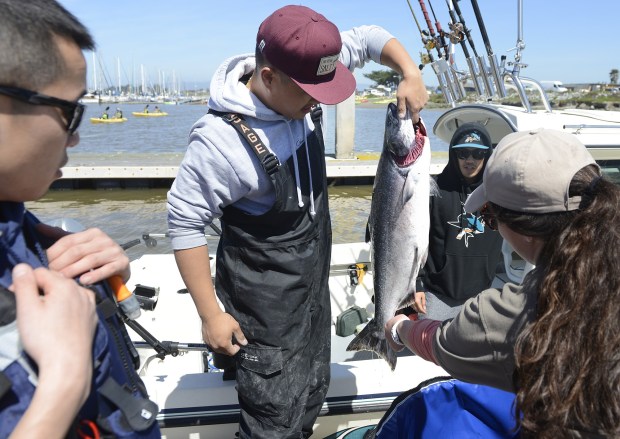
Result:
{"points": [[582, 126], [490, 80], [520, 83]]}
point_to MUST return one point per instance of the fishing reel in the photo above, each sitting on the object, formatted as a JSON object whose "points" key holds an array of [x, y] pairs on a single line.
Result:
{"points": [[356, 273], [428, 41], [457, 33]]}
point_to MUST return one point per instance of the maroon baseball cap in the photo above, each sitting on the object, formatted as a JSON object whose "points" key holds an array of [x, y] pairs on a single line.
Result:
{"points": [[306, 46]]}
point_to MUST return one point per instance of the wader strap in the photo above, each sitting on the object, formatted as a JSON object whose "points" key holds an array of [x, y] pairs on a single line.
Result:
{"points": [[108, 310], [315, 115], [140, 413], [268, 160], [5, 384], [8, 307], [106, 307]]}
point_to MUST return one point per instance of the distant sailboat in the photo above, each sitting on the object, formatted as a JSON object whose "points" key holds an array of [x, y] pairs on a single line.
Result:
{"points": [[93, 97]]}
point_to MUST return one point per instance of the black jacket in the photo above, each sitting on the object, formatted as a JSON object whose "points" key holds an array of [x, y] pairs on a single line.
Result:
{"points": [[463, 254]]}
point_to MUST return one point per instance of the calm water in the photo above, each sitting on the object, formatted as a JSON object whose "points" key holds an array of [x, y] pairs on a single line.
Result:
{"points": [[127, 214], [163, 140]]}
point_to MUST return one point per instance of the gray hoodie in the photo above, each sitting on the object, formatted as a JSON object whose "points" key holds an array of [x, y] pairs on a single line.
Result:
{"points": [[219, 169]]}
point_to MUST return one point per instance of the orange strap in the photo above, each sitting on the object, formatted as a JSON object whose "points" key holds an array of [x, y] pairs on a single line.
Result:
{"points": [[91, 427]]}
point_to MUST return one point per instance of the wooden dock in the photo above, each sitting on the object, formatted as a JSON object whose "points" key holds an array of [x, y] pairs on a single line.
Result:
{"points": [[339, 172]]}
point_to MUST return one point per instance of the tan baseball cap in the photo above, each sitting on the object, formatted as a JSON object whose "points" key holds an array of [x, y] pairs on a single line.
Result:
{"points": [[531, 171]]}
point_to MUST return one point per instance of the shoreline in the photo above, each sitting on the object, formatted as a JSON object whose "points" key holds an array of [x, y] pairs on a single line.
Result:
{"points": [[556, 104]]}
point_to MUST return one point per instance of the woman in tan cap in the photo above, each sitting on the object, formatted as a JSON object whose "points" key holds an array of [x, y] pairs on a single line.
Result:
{"points": [[555, 339]]}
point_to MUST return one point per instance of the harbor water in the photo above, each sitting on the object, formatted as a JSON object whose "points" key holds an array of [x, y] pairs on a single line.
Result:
{"points": [[128, 214], [163, 140]]}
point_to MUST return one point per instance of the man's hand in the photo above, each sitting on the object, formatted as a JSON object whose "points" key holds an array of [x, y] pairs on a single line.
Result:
{"points": [[56, 321], [91, 254], [420, 302], [411, 95], [218, 331], [57, 327]]}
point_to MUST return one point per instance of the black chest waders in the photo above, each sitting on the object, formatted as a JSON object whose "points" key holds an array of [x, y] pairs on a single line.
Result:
{"points": [[272, 276]]}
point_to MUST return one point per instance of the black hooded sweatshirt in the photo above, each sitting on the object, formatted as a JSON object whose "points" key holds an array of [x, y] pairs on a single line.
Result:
{"points": [[463, 253]]}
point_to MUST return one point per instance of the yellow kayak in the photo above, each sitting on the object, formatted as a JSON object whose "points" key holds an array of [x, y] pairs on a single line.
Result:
{"points": [[143, 114], [109, 120]]}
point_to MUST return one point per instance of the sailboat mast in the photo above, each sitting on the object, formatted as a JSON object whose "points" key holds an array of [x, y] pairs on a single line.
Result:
{"points": [[142, 79], [95, 72], [118, 73]]}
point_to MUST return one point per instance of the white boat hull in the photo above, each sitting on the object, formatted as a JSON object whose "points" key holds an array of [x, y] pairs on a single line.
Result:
{"points": [[598, 130]]}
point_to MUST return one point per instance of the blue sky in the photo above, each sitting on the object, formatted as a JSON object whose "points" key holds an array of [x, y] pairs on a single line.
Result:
{"points": [[566, 41]]}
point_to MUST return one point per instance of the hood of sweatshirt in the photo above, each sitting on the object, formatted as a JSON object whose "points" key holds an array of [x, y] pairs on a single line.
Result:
{"points": [[229, 93], [451, 177]]}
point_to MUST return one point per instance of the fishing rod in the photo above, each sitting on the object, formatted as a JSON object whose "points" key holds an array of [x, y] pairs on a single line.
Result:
{"points": [[440, 32], [482, 67], [442, 62], [431, 30], [426, 42], [429, 44], [499, 82], [458, 85], [457, 35]]}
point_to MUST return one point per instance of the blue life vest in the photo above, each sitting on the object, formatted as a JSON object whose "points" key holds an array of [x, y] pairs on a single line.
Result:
{"points": [[449, 408], [118, 404]]}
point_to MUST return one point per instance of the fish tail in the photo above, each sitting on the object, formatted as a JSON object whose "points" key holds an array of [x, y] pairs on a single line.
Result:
{"points": [[371, 338]]}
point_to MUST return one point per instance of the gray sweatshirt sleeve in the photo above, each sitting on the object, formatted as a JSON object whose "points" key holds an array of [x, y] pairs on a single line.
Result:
{"points": [[362, 44], [206, 182], [478, 345]]}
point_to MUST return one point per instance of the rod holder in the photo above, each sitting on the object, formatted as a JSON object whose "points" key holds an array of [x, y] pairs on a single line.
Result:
{"points": [[458, 85], [484, 73], [442, 84], [474, 76], [497, 77]]}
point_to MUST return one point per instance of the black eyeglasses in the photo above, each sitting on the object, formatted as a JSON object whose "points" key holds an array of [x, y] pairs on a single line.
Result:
{"points": [[71, 111], [463, 153], [488, 217]]}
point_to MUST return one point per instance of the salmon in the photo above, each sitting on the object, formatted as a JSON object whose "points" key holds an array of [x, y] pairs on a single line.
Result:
{"points": [[398, 226]]}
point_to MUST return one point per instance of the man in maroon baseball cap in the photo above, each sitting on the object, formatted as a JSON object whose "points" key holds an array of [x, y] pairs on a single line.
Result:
{"points": [[306, 46], [257, 162]]}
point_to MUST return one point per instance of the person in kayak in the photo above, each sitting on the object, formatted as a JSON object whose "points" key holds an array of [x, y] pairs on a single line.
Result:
{"points": [[267, 184], [554, 340]]}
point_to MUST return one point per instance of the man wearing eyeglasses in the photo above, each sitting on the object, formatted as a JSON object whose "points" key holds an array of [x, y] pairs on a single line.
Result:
{"points": [[463, 251], [57, 346]]}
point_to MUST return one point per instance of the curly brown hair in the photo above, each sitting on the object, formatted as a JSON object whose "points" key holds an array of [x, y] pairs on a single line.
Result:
{"points": [[567, 372]]}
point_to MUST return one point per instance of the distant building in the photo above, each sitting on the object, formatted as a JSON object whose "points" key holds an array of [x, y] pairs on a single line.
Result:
{"points": [[379, 90], [554, 86]]}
